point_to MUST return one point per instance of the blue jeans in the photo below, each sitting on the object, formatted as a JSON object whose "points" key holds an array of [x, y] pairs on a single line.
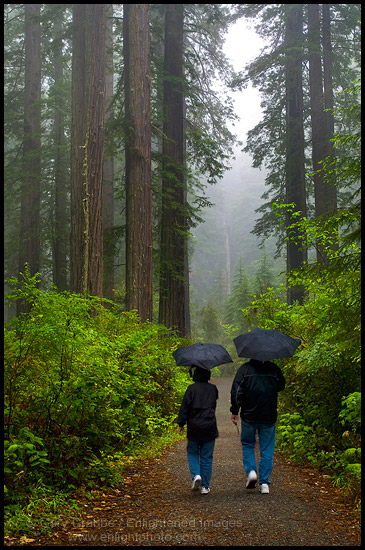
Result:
{"points": [[200, 459], [266, 433]]}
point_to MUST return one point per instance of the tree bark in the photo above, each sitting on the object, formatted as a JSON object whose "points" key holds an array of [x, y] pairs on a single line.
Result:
{"points": [[316, 100], [322, 121], [30, 200], [330, 189], [108, 180], [60, 241], [138, 160], [174, 282], [29, 236], [294, 167], [78, 123], [87, 148], [94, 141]]}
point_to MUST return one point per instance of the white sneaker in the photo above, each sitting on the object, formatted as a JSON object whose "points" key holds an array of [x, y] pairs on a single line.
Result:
{"points": [[196, 483], [251, 480], [264, 489], [204, 490]]}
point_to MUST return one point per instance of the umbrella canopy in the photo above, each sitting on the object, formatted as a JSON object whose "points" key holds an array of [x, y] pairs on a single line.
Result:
{"points": [[205, 356], [265, 345]]}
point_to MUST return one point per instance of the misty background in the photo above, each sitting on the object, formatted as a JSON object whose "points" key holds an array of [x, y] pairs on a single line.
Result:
{"points": [[223, 243]]}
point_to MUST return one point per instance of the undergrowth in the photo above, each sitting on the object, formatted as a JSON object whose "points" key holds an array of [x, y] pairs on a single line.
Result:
{"points": [[87, 389]]}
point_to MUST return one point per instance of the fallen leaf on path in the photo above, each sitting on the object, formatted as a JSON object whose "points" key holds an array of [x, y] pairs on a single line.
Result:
{"points": [[25, 540]]}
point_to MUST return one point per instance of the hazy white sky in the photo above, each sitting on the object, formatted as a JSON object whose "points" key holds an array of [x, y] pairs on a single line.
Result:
{"points": [[242, 45]]}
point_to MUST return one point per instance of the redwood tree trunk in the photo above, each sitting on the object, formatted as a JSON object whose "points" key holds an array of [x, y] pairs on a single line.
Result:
{"points": [[30, 200], [138, 159], [316, 101], [108, 179], [294, 168], [94, 142], [29, 237], [322, 128], [87, 148], [328, 97], [77, 242], [329, 187], [60, 241], [174, 283]]}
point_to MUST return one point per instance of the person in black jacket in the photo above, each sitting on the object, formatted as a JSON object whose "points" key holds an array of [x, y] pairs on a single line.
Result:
{"points": [[254, 391], [198, 412]]}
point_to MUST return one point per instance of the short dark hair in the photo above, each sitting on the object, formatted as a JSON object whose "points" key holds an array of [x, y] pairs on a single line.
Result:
{"points": [[201, 375]]}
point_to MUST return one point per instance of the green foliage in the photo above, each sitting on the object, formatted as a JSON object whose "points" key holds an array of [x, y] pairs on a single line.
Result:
{"points": [[264, 277], [209, 141], [296, 438], [266, 141], [333, 284], [42, 512], [350, 472], [24, 461], [83, 383], [303, 438], [239, 298], [350, 415], [323, 378], [212, 330]]}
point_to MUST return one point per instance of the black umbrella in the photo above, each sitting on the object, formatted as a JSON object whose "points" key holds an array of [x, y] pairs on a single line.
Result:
{"points": [[205, 356], [265, 345]]}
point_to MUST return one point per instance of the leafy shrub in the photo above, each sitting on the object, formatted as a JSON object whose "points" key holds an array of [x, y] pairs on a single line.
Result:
{"points": [[24, 460], [350, 414], [82, 382], [312, 410], [349, 472]]}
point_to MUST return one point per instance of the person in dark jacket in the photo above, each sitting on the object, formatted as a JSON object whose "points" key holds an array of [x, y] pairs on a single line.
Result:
{"points": [[254, 390], [198, 412]]}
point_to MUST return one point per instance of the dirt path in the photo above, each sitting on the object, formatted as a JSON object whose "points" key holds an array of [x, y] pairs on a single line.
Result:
{"points": [[156, 507]]}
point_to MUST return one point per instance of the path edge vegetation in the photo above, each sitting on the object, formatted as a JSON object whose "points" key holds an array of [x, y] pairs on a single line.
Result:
{"points": [[320, 411], [88, 389]]}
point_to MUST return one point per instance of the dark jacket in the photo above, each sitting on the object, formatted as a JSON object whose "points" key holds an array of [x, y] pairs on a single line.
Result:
{"points": [[255, 389], [198, 411]]}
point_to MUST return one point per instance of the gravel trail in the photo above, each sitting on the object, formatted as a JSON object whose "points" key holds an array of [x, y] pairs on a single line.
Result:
{"points": [[155, 506]]}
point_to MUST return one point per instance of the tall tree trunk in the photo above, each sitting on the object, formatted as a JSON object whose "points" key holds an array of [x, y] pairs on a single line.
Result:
{"points": [[330, 189], [78, 123], [29, 238], [138, 160], [60, 241], [94, 142], [87, 148], [174, 282], [317, 109], [227, 246], [328, 95], [324, 190], [316, 99], [294, 168], [108, 183]]}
